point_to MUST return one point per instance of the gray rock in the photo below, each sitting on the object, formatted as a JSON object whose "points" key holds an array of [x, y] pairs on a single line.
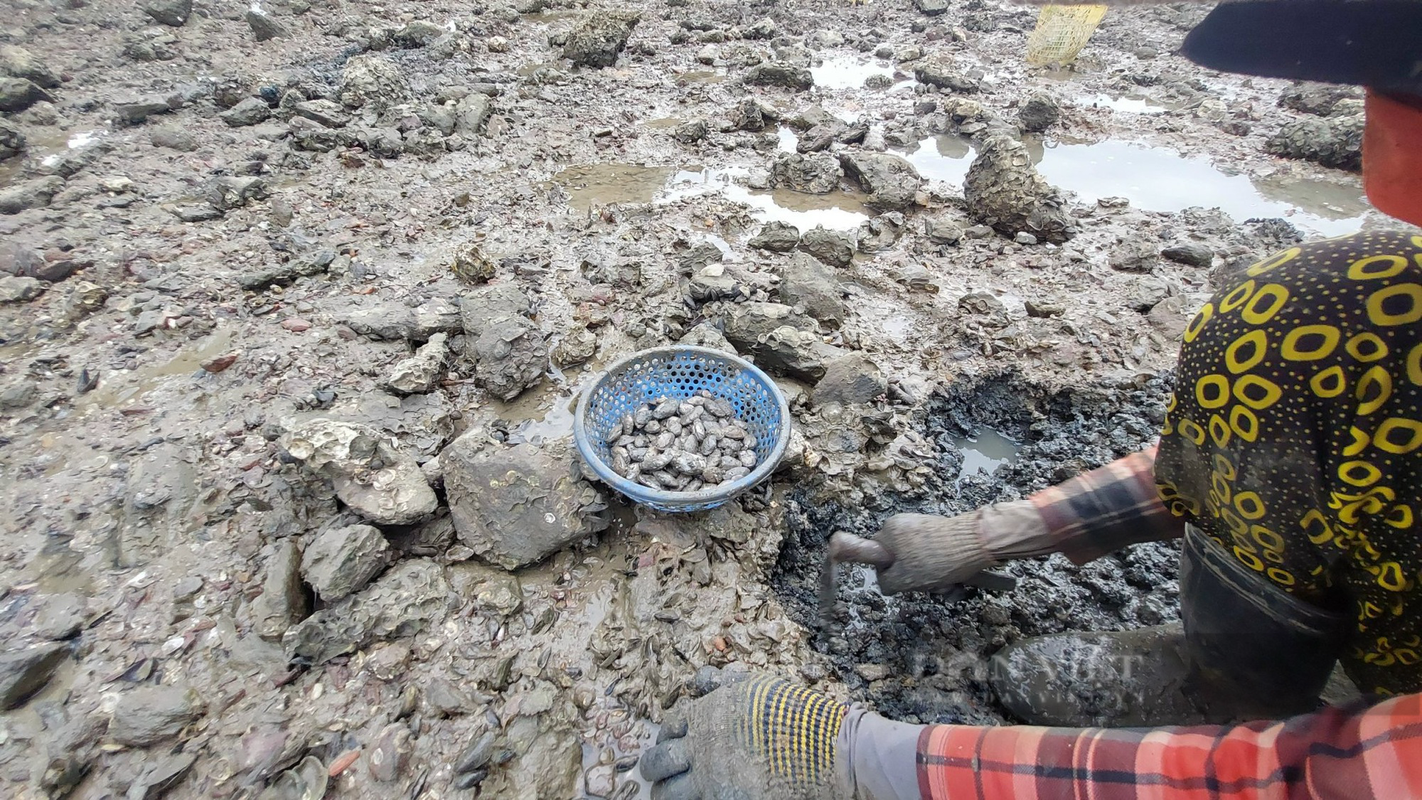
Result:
{"points": [[835, 248], [931, 7], [436, 315], [941, 230], [160, 775], [248, 112], [282, 602], [231, 192], [1134, 256], [18, 94], [599, 38], [748, 323], [169, 12], [806, 282], [1170, 317], [779, 339], [17, 62], [707, 335], [854, 378], [20, 261], [1039, 112], [1042, 310], [1023, 237], [516, 506], [418, 33], [890, 180], [1005, 191], [1331, 142], [762, 29], [577, 346], [782, 75], [24, 672], [1148, 292], [984, 304], [479, 308], [325, 112], [374, 81], [194, 212], [471, 114], [18, 394], [12, 140], [691, 132], [173, 137], [391, 752], [881, 233], [373, 477], [777, 237], [149, 714], [268, 275], [410, 598], [940, 71], [700, 256], [135, 110], [1190, 254], [389, 321], [419, 373], [510, 356], [1320, 99], [341, 561], [817, 173], [264, 27], [19, 290], [753, 114], [34, 193]]}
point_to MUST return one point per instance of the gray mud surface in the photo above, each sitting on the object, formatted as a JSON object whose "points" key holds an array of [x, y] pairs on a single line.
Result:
{"points": [[296, 298]]}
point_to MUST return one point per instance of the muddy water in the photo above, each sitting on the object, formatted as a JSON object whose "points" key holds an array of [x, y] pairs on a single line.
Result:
{"points": [[608, 183], [835, 211], [1125, 103], [122, 388], [943, 158], [985, 451], [846, 72]]}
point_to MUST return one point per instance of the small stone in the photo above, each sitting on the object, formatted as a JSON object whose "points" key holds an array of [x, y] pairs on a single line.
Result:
{"points": [[391, 753], [942, 231], [780, 75], [1042, 310], [295, 325], [939, 71], [600, 780], [891, 181], [1039, 112], [1134, 256], [853, 379], [600, 38], [282, 602], [373, 477], [149, 714], [808, 283], [18, 94], [872, 672], [264, 27], [778, 237], [341, 561], [1023, 237], [173, 13], [420, 373], [1190, 254], [248, 112], [832, 247], [25, 195], [19, 290], [24, 672]]}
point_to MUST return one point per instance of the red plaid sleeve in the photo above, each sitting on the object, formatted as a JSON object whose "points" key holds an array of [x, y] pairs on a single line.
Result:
{"points": [[1335, 753], [1106, 509]]}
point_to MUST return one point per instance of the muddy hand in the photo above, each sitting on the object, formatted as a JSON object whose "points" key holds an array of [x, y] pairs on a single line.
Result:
{"points": [[926, 553]]}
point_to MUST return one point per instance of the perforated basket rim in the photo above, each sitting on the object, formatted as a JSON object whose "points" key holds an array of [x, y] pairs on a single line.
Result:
{"points": [[661, 498]]}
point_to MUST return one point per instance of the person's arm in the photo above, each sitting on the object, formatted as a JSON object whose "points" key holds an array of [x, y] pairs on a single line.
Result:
{"points": [[1334, 753], [1095, 513]]}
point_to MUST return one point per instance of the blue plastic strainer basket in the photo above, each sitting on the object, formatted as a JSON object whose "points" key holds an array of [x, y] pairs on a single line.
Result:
{"points": [[679, 372]]}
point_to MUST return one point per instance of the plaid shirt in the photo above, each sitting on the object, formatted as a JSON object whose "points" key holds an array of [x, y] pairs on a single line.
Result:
{"points": [[1335, 753]]}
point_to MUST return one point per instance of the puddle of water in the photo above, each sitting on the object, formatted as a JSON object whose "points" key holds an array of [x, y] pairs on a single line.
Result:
{"points": [[943, 158], [898, 327], [789, 140], [843, 72], [552, 15], [985, 452], [132, 385], [834, 211], [607, 183], [662, 123], [542, 423], [1129, 104], [1156, 179]]}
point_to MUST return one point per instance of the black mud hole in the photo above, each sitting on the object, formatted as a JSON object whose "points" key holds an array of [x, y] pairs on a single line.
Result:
{"points": [[922, 658]]}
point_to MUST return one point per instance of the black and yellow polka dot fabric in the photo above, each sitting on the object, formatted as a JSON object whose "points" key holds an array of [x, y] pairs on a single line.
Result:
{"points": [[1294, 437]]}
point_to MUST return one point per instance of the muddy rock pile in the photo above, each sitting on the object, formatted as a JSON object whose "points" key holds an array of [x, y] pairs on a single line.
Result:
{"points": [[297, 298]]}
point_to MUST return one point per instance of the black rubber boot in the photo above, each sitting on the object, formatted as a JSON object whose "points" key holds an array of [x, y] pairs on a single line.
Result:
{"points": [[1245, 650]]}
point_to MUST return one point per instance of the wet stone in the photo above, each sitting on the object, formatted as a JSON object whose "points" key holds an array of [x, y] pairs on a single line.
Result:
{"points": [[264, 28], [248, 112], [1005, 191], [20, 290], [835, 248], [778, 237], [391, 753], [1134, 257], [169, 12], [1331, 142], [780, 75], [341, 561], [408, 599], [809, 283], [600, 38], [149, 714], [419, 373], [1194, 255], [35, 193], [891, 181], [1039, 112], [855, 378], [24, 672], [373, 477], [817, 173]]}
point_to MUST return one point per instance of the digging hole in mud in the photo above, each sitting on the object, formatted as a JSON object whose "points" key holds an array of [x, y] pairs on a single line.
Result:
{"points": [[922, 658]]}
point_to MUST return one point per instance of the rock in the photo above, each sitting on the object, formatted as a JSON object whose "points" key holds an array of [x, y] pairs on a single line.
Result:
{"points": [[135, 110], [753, 114], [818, 173], [272, 274], [600, 780], [248, 112], [516, 506], [851, 379], [372, 80], [418, 33], [781, 75], [18, 94], [471, 114], [24, 672], [599, 38], [436, 315], [419, 373], [34, 193], [391, 752], [149, 714], [939, 71], [378, 481], [20, 261], [777, 237], [1170, 317], [576, 347], [282, 602], [1190, 254], [1331, 142], [1148, 292], [691, 132], [1320, 99], [1039, 112], [230, 192], [510, 356], [762, 29], [779, 339], [341, 561], [707, 335], [12, 141], [385, 321], [174, 138], [941, 230], [931, 7], [18, 394], [707, 55], [984, 304], [160, 775], [325, 112], [264, 27], [806, 282], [1043, 310], [17, 62], [1004, 190], [890, 180], [1134, 256], [835, 248], [410, 598], [479, 308], [1023, 237], [19, 290], [169, 12]]}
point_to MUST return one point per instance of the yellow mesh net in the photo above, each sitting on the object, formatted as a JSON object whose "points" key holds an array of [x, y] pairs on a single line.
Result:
{"points": [[1061, 32]]}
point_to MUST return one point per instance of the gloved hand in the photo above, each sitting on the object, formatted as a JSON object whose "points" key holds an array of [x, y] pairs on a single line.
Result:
{"points": [[932, 553], [755, 736]]}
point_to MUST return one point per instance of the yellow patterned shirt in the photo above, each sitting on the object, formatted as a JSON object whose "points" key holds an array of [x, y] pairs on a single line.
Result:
{"points": [[1294, 437]]}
